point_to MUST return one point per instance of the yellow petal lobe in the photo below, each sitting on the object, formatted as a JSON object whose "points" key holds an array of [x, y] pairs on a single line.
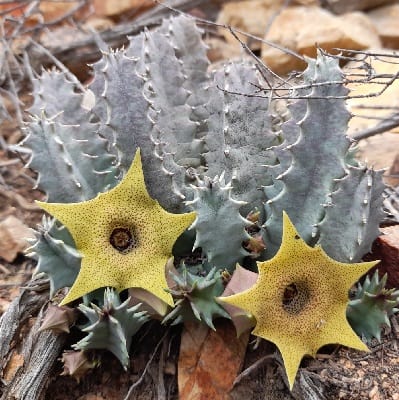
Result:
{"points": [[125, 237], [300, 298]]}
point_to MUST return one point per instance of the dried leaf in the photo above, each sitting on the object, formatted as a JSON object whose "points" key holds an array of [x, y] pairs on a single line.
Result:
{"points": [[14, 235], [150, 303], [241, 280], [14, 9], [209, 360], [76, 364], [58, 319]]}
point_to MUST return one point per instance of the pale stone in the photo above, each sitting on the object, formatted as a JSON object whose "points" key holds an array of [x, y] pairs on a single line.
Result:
{"points": [[308, 2], [57, 10], [248, 16], [386, 19], [252, 17], [108, 8], [343, 6], [14, 235], [302, 29], [369, 110], [219, 50], [98, 23]]}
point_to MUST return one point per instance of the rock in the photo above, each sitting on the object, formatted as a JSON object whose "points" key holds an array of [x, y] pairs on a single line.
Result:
{"points": [[14, 235], [344, 6], [307, 2], [107, 8], [386, 20], [301, 28], [252, 17], [386, 249], [98, 23], [219, 50], [248, 16], [57, 10], [380, 150]]}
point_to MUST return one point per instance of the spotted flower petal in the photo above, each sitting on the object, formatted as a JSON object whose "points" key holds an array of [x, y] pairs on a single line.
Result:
{"points": [[124, 236], [300, 298]]}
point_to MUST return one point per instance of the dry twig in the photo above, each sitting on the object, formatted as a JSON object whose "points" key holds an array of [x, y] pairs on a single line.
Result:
{"points": [[142, 376], [256, 365]]}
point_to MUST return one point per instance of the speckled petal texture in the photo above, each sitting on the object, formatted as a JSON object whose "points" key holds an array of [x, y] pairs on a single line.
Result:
{"points": [[127, 206], [319, 315]]}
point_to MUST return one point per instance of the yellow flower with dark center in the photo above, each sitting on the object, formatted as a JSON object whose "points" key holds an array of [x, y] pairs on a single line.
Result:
{"points": [[124, 236], [299, 300]]}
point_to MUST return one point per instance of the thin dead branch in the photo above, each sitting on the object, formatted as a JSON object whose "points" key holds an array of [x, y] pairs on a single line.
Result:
{"points": [[144, 373], [384, 126], [39, 351], [255, 366]]}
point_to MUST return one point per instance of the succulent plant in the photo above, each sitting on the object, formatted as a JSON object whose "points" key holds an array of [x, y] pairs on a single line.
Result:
{"points": [[73, 172], [195, 297], [111, 326], [372, 305], [314, 181], [57, 256], [221, 127], [162, 149], [214, 207]]}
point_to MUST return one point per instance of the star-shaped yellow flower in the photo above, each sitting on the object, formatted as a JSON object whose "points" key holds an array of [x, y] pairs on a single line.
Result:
{"points": [[299, 300], [124, 236]]}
